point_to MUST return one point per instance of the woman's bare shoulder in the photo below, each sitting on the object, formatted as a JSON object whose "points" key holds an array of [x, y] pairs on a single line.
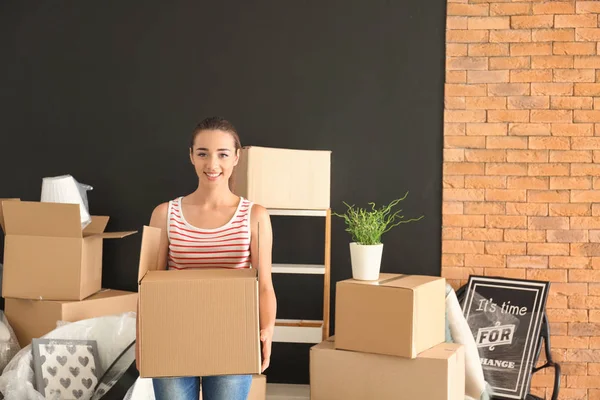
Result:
{"points": [[159, 215]]}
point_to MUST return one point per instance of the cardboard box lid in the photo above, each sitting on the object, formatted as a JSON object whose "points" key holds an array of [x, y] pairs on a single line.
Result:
{"points": [[53, 219], [399, 281], [200, 274], [1, 214], [280, 149]]}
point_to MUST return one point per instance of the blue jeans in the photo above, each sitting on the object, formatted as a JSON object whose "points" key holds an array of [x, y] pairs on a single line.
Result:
{"points": [[224, 387]]}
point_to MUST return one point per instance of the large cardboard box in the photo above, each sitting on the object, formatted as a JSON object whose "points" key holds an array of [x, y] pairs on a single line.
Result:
{"points": [[200, 322], [435, 374], [284, 178], [47, 256], [35, 318], [399, 315]]}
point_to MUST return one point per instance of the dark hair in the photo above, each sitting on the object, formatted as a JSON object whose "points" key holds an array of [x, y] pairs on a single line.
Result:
{"points": [[217, 123]]}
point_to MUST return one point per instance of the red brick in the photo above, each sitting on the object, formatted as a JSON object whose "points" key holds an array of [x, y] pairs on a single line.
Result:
{"points": [[575, 21], [584, 355], [586, 89], [514, 273], [464, 116], [462, 221], [552, 89], [527, 262], [459, 272], [584, 7], [585, 222], [484, 182], [467, 36], [572, 129], [508, 89], [455, 22], [528, 182], [489, 23], [554, 7], [569, 210], [548, 169], [462, 247], [484, 260], [584, 329], [543, 116], [457, 168], [585, 196], [455, 155], [529, 129], [507, 248], [509, 63], [567, 342], [548, 249], [453, 260], [531, 21], [449, 233], [524, 235], [550, 143], [537, 156], [506, 169], [455, 103], [587, 143], [464, 63], [495, 142], [487, 129], [530, 49], [454, 129], [533, 209], [553, 35], [468, 9], [584, 249], [578, 182], [508, 116], [456, 50], [548, 196], [585, 169], [548, 223], [468, 142], [510, 9], [568, 262], [587, 34], [567, 236], [574, 75], [490, 76], [484, 208], [484, 234], [528, 102], [531, 75], [485, 103], [463, 194], [586, 116], [552, 275], [491, 49], [511, 221], [481, 155], [587, 62], [572, 103], [565, 315], [571, 157], [569, 289], [574, 48], [510, 35], [544, 62]]}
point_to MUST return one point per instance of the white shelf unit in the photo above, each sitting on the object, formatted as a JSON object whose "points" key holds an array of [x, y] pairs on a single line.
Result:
{"points": [[306, 331]]}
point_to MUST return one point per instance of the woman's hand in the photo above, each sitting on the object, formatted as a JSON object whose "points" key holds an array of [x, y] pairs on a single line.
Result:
{"points": [[266, 338]]}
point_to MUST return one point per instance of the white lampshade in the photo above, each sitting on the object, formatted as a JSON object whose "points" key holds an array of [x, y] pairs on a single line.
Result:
{"points": [[65, 189]]}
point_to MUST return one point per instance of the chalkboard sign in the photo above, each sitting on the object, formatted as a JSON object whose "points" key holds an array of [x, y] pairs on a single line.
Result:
{"points": [[505, 317]]}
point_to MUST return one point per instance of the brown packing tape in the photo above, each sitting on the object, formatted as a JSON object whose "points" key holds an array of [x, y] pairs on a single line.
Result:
{"points": [[1, 214]]}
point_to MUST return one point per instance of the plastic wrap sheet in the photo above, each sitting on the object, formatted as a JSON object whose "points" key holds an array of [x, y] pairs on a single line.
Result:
{"points": [[506, 334], [9, 345], [112, 333]]}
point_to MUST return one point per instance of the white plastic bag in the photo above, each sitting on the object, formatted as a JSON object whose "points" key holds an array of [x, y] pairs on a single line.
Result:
{"points": [[112, 333], [9, 345]]}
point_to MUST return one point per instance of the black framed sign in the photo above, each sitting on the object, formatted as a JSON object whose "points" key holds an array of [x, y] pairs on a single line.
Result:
{"points": [[505, 317]]}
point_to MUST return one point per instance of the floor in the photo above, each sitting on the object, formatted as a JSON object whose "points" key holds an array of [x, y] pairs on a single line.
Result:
{"points": [[279, 391]]}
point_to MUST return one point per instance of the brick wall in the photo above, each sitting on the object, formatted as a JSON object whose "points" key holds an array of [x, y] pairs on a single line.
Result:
{"points": [[522, 163]]}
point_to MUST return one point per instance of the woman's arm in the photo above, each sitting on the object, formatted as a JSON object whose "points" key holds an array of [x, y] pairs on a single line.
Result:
{"points": [[261, 245]]}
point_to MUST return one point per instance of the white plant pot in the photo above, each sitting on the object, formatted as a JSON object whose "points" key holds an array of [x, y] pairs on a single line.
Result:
{"points": [[366, 261]]}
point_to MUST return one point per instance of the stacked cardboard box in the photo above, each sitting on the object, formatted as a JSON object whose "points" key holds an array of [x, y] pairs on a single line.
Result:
{"points": [[389, 343], [53, 268]]}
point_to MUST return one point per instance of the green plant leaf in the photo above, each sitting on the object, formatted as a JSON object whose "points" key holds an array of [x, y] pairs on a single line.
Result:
{"points": [[368, 226]]}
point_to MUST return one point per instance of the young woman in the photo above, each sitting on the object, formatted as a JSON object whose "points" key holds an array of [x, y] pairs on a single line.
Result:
{"points": [[213, 227]]}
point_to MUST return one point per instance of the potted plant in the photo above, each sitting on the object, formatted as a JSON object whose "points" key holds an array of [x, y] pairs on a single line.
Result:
{"points": [[366, 228]]}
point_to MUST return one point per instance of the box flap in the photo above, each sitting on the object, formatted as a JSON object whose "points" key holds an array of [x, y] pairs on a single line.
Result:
{"points": [[443, 351], [280, 149], [42, 219], [199, 274], [397, 281], [98, 225], [149, 250], [1, 215], [114, 235]]}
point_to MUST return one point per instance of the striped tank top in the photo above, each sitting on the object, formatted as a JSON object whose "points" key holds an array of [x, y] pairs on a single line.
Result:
{"points": [[225, 247]]}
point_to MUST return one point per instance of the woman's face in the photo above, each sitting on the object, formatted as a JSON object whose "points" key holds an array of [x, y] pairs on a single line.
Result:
{"points": [[214, 156]]}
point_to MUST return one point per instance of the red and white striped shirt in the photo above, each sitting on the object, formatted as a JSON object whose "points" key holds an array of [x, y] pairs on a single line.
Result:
{"points": [[225, 247]]}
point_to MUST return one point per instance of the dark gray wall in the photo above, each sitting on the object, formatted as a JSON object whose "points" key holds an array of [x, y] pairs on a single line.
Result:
{"points": [[110, 91]]}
